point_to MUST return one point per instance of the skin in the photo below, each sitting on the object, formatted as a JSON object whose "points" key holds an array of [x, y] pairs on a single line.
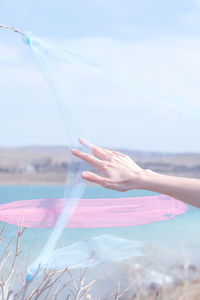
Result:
{"points": [[119, 172]]}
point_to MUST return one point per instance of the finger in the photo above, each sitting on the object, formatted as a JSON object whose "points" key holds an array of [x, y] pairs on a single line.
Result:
{"points": [[119, 153], [106, 154], [100, 153], [88, 158], [92, 177], [85, 143], [97, 151]]}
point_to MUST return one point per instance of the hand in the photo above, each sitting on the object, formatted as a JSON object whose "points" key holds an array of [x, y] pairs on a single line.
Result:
{"points": [[119, 171]]}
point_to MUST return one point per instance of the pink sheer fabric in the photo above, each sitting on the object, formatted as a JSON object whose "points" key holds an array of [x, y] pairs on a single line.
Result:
{"points": [[91, 213]]}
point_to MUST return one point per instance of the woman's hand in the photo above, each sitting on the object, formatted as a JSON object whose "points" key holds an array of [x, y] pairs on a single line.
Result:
{"points": [[119, 171]]}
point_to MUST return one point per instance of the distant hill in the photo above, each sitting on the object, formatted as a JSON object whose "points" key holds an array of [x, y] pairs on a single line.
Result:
{"points": [[48, 165]]}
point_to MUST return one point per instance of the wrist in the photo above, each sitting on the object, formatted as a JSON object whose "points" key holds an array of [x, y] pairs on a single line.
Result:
{"points": [[147, 179]]}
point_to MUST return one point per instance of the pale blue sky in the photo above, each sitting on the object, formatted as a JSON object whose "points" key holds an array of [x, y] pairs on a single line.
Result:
{"points": [[116, 18], [151, 40]]}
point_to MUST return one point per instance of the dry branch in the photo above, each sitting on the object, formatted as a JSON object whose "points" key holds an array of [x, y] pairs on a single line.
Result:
{"points": [[12, 28]]}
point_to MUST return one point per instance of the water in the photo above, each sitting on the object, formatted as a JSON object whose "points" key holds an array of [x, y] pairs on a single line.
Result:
{"points": [[176, 239]]}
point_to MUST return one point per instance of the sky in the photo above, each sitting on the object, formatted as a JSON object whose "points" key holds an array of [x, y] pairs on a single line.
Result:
{"points": [[152, 46]]}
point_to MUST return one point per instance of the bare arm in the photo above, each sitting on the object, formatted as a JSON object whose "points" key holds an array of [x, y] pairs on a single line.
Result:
{"points": [[119, 172], [184, 189]]}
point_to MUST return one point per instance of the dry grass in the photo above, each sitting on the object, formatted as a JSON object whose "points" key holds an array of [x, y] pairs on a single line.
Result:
{"points": [[61, 285]]}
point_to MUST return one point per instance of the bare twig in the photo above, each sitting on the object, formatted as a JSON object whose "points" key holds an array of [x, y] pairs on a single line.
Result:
{"points": [[157, 294], [7, 247], [2, 290], [82, 290], [12, 28], [51, 283], [17, 253], [34, 291], [5, 255], [2, 229], [5, 259], [118, 291], [128, 289], [10, 293], [24, 288]]}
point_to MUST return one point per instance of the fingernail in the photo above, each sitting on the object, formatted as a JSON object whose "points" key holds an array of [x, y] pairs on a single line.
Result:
{"points": [[85, 174], [82, 140]]}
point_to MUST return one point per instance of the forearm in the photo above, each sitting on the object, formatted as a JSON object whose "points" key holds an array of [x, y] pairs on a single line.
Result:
{"points": [[184, 189]]}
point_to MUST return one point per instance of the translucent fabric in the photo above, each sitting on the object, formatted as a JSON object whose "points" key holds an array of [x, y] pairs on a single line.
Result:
{"points": [[53, 61], [74, 130], [95, 251], [92, 213]]}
